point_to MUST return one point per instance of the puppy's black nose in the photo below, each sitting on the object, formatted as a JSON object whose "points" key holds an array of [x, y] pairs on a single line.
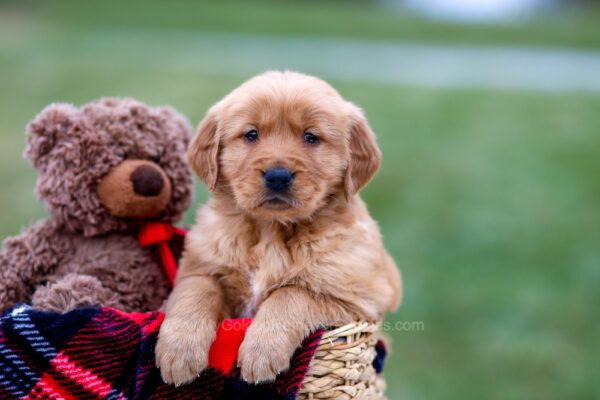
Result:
{"points": [[147, 181], [278, 178]]}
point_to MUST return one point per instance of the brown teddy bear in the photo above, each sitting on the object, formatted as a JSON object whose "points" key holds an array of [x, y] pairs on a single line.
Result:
{"points": [[105, 170]]}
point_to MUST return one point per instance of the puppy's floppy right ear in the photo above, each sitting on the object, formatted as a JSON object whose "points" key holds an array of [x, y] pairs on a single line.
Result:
{"points": [[365, 156], [203, 152], [45, 130]]}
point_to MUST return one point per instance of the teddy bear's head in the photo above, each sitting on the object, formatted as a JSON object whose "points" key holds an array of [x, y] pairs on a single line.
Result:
{"points": [[111, 164]]}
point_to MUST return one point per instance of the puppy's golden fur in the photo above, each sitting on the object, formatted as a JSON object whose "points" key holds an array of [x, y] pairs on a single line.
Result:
{"points": [[313, 260]]}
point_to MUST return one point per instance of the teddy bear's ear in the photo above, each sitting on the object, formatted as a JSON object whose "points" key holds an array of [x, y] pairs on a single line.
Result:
{"points": [[45, 129], [182, 124]]}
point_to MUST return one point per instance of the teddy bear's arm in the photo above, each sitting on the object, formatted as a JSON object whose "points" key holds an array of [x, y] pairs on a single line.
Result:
{"points": [[24, 259], [73, 291]]}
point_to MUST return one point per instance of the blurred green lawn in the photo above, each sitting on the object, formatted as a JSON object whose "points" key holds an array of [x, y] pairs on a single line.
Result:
{"points": [[489, 200]]}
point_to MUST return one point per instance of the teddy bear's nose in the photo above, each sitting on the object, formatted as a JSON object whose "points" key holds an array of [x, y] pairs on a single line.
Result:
{"points": [[147, 181]]}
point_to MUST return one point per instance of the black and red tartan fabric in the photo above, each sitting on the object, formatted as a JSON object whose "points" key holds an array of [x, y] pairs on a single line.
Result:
{"points": [[103, 353]]}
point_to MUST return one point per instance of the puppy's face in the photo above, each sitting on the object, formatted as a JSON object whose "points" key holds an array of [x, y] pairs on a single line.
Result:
{"points": [[282, 144]]}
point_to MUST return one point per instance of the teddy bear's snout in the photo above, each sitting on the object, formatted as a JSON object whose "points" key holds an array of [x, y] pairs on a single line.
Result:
{"points": [[147, 181], [135, 189]]}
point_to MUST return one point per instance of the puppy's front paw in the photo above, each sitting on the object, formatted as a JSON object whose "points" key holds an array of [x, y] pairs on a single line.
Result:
{"points": [[263, 356], [182, 350]]}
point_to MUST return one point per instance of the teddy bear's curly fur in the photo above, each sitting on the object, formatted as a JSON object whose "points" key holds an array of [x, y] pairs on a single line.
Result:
{"points": [[104, 170]]}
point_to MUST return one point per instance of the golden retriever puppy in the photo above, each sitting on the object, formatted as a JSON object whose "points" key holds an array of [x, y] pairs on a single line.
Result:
{"points": [[285, 237]]}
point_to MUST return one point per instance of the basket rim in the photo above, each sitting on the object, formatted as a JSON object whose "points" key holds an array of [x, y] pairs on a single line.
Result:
{"points": [[351, 329]]}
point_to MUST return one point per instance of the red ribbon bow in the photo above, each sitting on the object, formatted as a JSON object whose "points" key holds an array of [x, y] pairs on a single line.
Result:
{"points": [[160, 233]]}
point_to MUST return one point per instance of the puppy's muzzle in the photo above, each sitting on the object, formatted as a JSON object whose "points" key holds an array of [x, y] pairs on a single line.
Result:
{"points": [[278, 179]]}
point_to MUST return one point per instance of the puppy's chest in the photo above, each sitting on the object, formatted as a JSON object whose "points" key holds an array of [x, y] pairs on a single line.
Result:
{"points": [[261, 268], [242, 291]]}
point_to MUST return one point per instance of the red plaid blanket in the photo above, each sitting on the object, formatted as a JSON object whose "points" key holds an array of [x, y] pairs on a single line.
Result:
{"points": [[100, 353]]}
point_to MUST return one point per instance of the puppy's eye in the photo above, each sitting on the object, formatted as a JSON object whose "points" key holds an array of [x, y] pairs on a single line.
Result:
{"points": [[311, 138], [251, 136], [122, 155]]}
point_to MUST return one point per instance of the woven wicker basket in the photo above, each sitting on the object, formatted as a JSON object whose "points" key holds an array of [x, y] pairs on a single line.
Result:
{"points": [[342, 366]]}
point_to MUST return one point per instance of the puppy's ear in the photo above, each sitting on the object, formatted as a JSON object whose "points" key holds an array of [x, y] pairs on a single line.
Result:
{"points": [[203, 152], [365, 157]]}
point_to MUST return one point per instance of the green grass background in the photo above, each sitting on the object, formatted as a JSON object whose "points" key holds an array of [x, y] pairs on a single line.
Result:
{"points": [[488, 200]]}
